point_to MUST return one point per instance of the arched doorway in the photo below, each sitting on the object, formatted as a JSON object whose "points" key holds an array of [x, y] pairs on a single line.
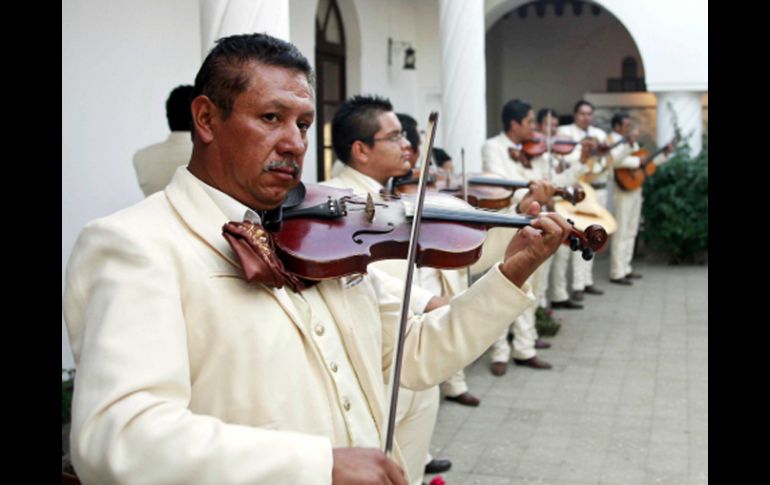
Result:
{"points": [[330, 82], [555, 52]]}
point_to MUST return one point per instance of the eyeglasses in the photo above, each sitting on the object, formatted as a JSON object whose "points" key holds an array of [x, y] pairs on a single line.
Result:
{"points": [[395, 137]]}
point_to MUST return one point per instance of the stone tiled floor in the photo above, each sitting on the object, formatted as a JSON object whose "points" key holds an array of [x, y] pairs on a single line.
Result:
{"points": [[626, 402]]}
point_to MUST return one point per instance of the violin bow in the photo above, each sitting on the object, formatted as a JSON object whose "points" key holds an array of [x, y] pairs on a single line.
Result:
{"points": [[548, 143], [395, 368], [465, 195]]}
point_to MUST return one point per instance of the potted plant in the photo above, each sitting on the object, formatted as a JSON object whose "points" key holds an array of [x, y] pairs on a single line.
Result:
{"points": [[68, 475]]}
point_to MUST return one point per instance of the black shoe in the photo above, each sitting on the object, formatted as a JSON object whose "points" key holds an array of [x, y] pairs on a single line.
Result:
{"points": [[438, 466], [621, 281], [534, 362], [466, 399], [568, 304], [633, 276], [592, 290], [576, 296]]}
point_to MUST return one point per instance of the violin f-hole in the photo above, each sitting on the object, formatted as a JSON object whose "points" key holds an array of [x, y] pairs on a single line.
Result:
{"points": [[356, 235]]}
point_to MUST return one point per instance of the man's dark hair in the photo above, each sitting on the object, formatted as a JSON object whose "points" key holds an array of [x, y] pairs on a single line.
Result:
{"points": [[580, 103], [178, 111], [440, 156], [409, 125], [543, 113], [617, 118], [356, 119], [514, 109], [222, 77]]}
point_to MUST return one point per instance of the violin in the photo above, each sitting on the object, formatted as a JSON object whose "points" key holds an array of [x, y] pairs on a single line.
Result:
{"points": [[334, 233], [538, 145], [485, 191], [483, 196]]}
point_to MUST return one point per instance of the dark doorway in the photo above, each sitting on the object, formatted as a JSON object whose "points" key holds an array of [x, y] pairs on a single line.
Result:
{"points": [[330, 72]]}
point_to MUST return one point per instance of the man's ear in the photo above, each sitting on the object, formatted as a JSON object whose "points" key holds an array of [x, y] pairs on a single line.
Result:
{"points": [[203, 113], [359, 152]]}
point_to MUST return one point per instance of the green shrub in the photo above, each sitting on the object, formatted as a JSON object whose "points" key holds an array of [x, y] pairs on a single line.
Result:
{"points": [[676, 206], [67, 385]]}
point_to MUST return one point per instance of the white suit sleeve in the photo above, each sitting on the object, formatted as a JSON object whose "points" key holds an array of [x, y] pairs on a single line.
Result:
{"points": [[393, 275], [622, 158], [130, 420], [441, 342]]}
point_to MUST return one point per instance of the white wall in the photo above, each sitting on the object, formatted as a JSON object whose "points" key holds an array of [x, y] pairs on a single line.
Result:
{"points": [[120, 60], [672, 37], [552, 61], [302, 15], [415, 92]]}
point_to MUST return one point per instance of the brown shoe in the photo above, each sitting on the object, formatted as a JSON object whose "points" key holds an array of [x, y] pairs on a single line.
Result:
{"points": [[592, 290], [633, 276], [498, 368], [542, 344], [576, 296], [466, 399], [534, 362], [568, 304], [621, 281]]}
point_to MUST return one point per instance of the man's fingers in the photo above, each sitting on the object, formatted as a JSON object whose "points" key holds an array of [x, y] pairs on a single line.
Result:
{"points": [[533, 209], [395, 473]]}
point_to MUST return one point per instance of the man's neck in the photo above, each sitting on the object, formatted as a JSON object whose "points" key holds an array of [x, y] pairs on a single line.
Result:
{"points": [[362, 169], [511, 136]]}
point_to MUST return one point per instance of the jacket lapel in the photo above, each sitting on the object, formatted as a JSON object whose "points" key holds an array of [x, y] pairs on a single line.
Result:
{"points": [[204, 218]]}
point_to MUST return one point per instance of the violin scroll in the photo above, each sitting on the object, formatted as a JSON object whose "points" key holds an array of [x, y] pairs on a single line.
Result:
{"points": [[589, 241]]}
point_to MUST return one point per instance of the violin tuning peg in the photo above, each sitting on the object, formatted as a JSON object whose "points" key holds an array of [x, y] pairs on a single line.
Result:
{"points": [[574, 244], [587, 254]]}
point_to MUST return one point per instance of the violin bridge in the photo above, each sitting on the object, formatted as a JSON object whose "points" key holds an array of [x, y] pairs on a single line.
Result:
{"points": [[369, 207]]}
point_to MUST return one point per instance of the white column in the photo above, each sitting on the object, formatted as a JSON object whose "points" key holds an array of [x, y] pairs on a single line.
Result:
{"points": [[220, 18], [463, 116], [685, 108]]}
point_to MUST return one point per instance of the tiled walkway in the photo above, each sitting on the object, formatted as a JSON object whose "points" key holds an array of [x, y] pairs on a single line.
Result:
{"points": [[626, 402]]}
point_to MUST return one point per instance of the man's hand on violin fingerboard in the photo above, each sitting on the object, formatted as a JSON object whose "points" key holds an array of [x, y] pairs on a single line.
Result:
{"points": [[532, 245]]}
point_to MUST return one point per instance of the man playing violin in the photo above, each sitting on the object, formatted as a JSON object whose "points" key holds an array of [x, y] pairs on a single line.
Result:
{"points": [[189, 374], [504, 155], [367, 169], [627, 203], [585, 161]]}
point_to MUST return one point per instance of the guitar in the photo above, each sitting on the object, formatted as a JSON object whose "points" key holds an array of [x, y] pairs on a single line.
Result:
{"points": [[595, 168], [587, 212], [632, 178]]}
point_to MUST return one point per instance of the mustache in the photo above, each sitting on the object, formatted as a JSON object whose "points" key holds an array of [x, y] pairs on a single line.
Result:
{"points": [[283, 164]]}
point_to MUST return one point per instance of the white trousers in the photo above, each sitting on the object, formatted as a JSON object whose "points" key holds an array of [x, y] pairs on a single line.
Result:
{"points": [[524, 336], [455, 385], [558, 275], [628, 209], [415, 419], [540, 282], [582, 270]]}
